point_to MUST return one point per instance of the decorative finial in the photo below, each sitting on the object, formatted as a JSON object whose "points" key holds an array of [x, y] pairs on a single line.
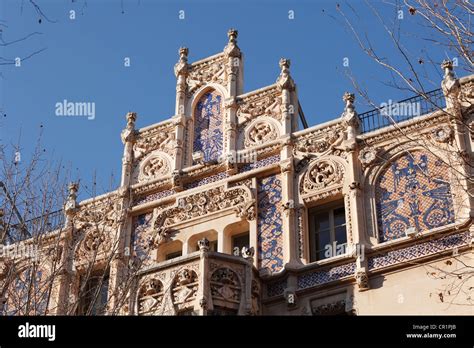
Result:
{"points": [[183, 53], [450, 83], [284, 64], [231, 49], [71, 202], [129, 131], [181, 68], [447, 66], [349, 99], [131, 118], [285, 81], [232, 35], [349, 117], [203, 244]]}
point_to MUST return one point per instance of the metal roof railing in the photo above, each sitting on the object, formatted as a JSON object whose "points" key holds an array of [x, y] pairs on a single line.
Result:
{"points": [[393, 113]]}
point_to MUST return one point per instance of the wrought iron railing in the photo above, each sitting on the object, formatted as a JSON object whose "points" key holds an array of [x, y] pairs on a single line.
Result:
{"points": [[404, 110], [36, 226]]}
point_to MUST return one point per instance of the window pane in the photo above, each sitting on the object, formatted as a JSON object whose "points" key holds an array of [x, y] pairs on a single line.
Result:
{"points": [[339, 217], [341, 235], [323, 239], [238, 242], [322, 221]]}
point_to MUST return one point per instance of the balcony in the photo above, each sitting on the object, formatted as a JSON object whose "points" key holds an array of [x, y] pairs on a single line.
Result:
{"points": [[200, 283]]}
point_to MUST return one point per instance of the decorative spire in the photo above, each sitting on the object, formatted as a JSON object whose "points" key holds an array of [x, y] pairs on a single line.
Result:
{"points": [[447, 66], [450, 83], [181, 68], [129, 131], [349, 116], [231, 49], [71, 202], [285, 81]]}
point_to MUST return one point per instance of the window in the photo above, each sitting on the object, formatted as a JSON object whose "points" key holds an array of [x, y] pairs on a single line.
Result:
{"points": [[173, 255], [328, 235], [238, 242], [94, 297]]}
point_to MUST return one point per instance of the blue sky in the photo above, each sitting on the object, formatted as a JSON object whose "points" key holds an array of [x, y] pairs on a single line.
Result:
{"points": [[84, 61]]}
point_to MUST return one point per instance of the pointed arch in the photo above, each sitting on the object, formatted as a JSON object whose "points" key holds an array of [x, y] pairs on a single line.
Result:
{"points": [[208, 117]]}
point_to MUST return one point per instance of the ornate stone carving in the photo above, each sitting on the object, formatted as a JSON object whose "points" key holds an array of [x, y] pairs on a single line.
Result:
{"points": [[153, 167], [255, 298], [326, 141], [362, 279], [443, 134], [203, 244], [246, 210], [285, 81], [248, 252], [338, 307], [128, 134], [265, 103], [231, 49], [185, 288], [71, 205], [225, 286], [450, 83], [96, 225], [196, 205], [367, 156], [322, 174], [212, 70], [150, 297], [161, 140], [181, 68], [260, 132]]}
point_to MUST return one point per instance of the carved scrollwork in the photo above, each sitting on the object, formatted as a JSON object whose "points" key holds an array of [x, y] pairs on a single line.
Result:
{"points": [[95, 225], [367, 156], [322, 174], [153, 167], [266, 103], [185, 288], [260, 132], [212, 70], [226, 287], [197, 205], [150, 296], [328, 142], [163, 140], [443, 134]]}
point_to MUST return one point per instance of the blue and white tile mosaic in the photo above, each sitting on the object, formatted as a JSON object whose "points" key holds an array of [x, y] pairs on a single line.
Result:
{"points": [[325, 276]]}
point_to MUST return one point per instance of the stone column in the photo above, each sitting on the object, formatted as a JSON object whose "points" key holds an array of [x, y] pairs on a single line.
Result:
{"points": [[452, 91], [353, 191], [234, 68], [248, 254], [203, 293], [181, 73], [62, 258], [287, 87], [123, 199]]}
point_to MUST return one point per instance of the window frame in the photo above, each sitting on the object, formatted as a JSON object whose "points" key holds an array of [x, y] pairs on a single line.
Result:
{"points": [[329, 209]]}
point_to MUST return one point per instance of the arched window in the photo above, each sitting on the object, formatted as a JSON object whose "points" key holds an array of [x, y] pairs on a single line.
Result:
{"points": [[208, 116], [413, 194]]}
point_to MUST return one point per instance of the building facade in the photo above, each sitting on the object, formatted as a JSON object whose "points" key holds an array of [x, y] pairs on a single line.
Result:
{"points": [[229, 208]]}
